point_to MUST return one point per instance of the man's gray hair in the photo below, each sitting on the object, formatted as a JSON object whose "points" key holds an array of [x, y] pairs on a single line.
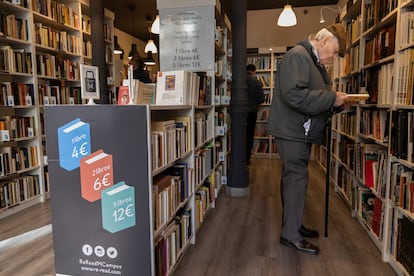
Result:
{"points": [[322, 34]]}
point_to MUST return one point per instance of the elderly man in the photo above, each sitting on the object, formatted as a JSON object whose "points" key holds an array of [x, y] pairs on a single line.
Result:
{"points": [[302, 103]]}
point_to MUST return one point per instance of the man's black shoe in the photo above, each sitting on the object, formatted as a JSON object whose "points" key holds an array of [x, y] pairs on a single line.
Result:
{"points": [[302, 246], [308, 233]]}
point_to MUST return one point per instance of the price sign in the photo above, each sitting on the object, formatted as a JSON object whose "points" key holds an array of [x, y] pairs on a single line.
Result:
{"points": [[74, 143], [118, 207], [96, 174], [188, 36]]}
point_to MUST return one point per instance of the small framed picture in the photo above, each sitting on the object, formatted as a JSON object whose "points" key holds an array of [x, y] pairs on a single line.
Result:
{"points": [[89, 82]]}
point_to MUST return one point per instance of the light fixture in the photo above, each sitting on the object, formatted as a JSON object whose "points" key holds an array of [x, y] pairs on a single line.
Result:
{"points": [[287, 18], [150, 47], [133, 52], [149, 60], [337, 9], [155, 27], [117, 48]]}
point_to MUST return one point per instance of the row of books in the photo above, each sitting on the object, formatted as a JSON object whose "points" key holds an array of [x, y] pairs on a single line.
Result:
{"points": [[59, 40], [183, 88], [347, 123], [380, 46], [347, 184], [203, 164], [51, 66], [169, 191], [405, 83], [350, 63], [55, 94], [345, 153], [353, 30], [16, 94], [261, 62], [15, 60], [170, 244], [13, 27], [370, 166], [16, 128], [377, 10], [371, 210], [264, 80], [402, 186], [402, 129], [170, 139], [221, 95], [20, 189], [204, 197], [86, 23], [163, 143], [14, 159], [402, 242], [203, 128], [407, 24], [374, 123], [58, 12]]}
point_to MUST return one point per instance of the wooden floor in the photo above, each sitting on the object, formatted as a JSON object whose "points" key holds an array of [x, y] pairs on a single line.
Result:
{"points": [[239, 237]]}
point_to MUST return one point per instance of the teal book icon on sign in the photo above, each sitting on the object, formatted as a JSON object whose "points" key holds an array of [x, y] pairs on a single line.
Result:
{"points": [[118, 207], [74, 141]]}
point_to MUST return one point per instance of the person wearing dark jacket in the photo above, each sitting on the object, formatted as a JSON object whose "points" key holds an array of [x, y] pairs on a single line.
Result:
{"points": [[139, 72], [255, 96], [302, 103]]}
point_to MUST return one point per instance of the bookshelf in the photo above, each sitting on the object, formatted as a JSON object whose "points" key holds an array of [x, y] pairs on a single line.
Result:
{"points": [[42, 45], [266, 61], [202, 124], [372, 144]]}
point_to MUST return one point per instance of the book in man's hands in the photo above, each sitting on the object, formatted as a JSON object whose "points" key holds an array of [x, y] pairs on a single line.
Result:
{"points": [[357, 97]]}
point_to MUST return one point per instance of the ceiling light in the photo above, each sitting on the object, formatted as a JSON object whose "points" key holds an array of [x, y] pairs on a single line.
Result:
{"points": [[155, 27], [133, 52], [287, 18], [150, 47], [149, 60], [337, 9]]}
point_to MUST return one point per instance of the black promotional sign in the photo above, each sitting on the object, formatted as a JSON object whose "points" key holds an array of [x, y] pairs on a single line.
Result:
{"points": [[99, 182]]}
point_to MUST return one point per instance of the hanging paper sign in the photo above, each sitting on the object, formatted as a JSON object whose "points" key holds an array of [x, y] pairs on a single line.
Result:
{"points": [[186, 38]]}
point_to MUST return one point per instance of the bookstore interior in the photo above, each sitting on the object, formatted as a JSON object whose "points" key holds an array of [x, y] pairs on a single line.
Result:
{"points": [[64, 101]]}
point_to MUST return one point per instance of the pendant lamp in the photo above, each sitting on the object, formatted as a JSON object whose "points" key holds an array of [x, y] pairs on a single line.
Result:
{"points": [[155, 27], [150, 47], [149, 60], [133, 51], [287, 18]]}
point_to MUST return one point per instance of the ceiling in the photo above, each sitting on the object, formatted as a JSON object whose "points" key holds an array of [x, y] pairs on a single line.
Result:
{"points": [[135, 16]]}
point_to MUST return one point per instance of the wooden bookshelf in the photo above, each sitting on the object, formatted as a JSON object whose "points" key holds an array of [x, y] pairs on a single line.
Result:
{"points": [[41, 48], [373, 154]]}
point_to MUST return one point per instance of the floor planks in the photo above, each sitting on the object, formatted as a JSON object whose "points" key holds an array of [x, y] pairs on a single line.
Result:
{"points": [[239, 237]]}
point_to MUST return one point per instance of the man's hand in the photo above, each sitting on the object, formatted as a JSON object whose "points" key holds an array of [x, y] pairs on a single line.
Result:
{"points": [[341, 100]]}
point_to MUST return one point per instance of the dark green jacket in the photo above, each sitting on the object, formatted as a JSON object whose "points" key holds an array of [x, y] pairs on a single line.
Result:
{"points": [[302, 92]]}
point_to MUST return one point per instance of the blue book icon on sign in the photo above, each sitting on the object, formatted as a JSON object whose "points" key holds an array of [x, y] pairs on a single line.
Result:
{"points": [[74, 141], [118, 207]]}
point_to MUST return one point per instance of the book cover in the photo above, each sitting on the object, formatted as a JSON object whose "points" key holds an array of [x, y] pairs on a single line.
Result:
{"points": [[118, 207], [123, 95], [74, 143], [96, 174], [170, 88]]}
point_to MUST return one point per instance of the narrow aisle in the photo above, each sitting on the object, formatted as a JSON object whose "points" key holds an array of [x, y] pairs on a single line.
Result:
{"points": [[241, 235]]}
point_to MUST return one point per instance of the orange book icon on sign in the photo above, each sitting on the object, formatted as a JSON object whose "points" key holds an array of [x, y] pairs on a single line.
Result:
{"points": [[96, 174]]}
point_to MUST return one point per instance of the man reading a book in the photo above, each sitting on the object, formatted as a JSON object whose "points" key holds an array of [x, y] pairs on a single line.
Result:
{"points": [[299, 112]]}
